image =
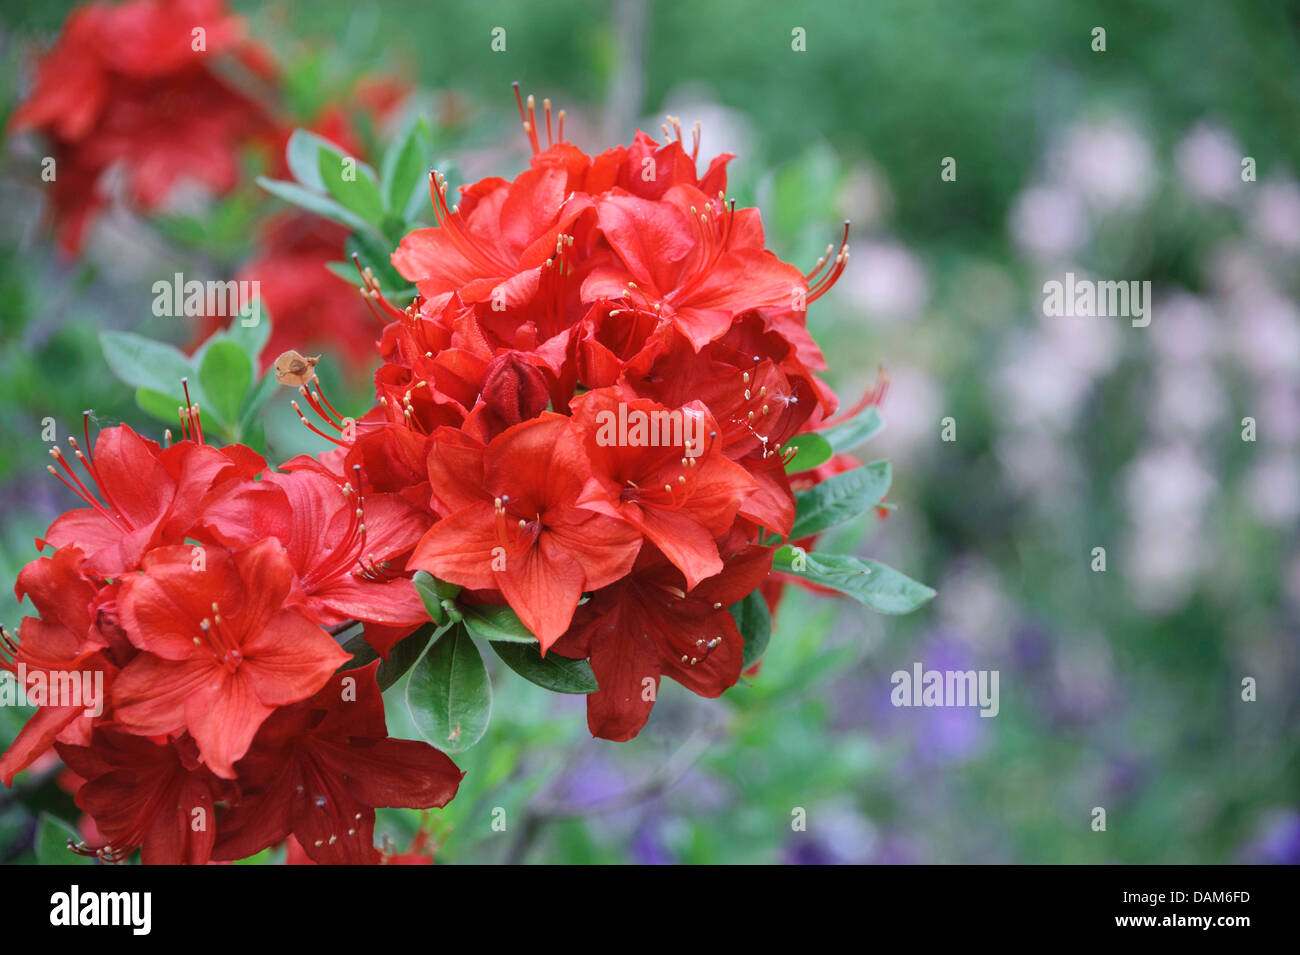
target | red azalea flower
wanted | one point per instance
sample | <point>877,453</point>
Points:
<point>341,544</point>
<point>646,626</point>
<point>150,495</point>
<point>147,793</point>
<point>62,642</point>
<point>221,649</point>
<point>691,259</point>
<point>680,495</point>
<point>517,527</point>
<point>320,768</point>
<point>496,242</point>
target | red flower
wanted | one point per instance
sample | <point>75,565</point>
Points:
<point>340,544</point>
<point>516,526</point>
<point>691,259</point>
<point>150,794</point>
<point>63,641</point>
<point>646,626</point>
<point>320,768</point>
<point>222,650</point>
<point>680,495</point>
<point>124,84</point>
<point>494,245</point>
<point>151,495</point>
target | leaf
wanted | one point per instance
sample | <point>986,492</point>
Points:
<point>814,450</point>
<point>839,498</point>
<point>145,363</point>
<point>551,672</point>
<point>303,155</point>
<point>403,656</point>
<point>448,694</point>
<point>754,622</point>
<point>225,376</point>
<point>849,434</point>
<point>377,256</point>
<point>347,271</point>
<point>163,407</point>
<point>431,591</point>
<point>251,338</point>
<point>256,398</point>
<point>313,202</point>
<point>405,166</point>
<point>52,835</point>
<point>881,588</point>
<point>360,193</point>
<point>497,624</point>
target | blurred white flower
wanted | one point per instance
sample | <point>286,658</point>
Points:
<point>865,199</point>
<point>1036,462</point>
<point>1108,162</point>
<point>1209,163</point>
<point>1278,415</point>
<point>1273,490</point>
<point>912,409</point>
<point>1188,399</point>
<point>1266,333</point>
<point>886,281</point>
<point>1160,562</point>
<point>973,605</point>
<point>1168,484</point>
<point>1276,218</point>
<point>1048,223</point>
<point>1187,330</point>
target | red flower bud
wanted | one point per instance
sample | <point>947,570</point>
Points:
<point>514,388</point>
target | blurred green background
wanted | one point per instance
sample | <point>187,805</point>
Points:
<point>1119,689</point>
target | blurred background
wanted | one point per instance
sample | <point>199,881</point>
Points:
<point>1119,689</point>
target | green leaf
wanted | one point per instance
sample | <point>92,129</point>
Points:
<point>448,694</point>
<point>839,498</point>
<point>155,403</point>
<point>377,256</point>
<point>814,450</point>
<point>849,434</point>
<point>251,338</point>
<point>881,588</point>
<point>403,656</point>
<point>405,166</point>
<point>360,194</point>
<point>52,835</point>
<point>433,592</point>
<point>313,202</point>
<point>145,363</point>
<point>303,156</point>
<point>497,624</point>
<point>256,398</point>
<point>754,622</point>
<point>551,672</point>
<point>225,376</point>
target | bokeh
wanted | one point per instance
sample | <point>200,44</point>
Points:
<point>1174,446</point>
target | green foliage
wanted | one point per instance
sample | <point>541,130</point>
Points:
<point>448,693</point>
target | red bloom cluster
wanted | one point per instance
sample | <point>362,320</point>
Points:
<point>194,590</point>
<point>594,394</point>
<point>141,86</point>
<point>586,415</point>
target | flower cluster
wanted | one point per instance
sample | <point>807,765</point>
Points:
<point>585,420</point>
<point>594,394</point>
<point>174,93</point>
<point>195,589</point>
<point>143,86</point>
